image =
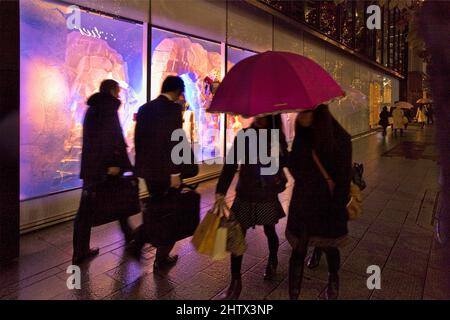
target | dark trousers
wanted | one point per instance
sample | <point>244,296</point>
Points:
<point>83,224</point>
<point>140,238</point>
<point>273,242</point>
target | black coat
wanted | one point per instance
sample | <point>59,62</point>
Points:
<point>312,209</point>
<point>103,143</point>
<point>250,187</point>
<point>384,118</point>
<point>155,122</point>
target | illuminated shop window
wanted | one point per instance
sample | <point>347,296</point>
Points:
<point>59,69</point>
<point>199,63</point>
<point>235,123</point>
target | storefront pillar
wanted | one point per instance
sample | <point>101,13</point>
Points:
<point>9,130</point>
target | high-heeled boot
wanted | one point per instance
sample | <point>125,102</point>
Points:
<point>295,278</point>
<point>314,259</point>
<point>233,291</point>
<point>332,290</point>
<point>271,269</point>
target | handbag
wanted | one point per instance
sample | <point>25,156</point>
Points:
<point>114,198</point>
<point>171,217</point>
<point>354,204</point>
<point>276,182</point>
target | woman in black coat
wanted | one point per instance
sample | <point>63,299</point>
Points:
<point>317,212</point>
<point>384,120</point>
<point>256,201</point>
<point>104,153</point>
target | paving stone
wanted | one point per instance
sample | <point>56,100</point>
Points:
<point>437,284</point>
<point>397,285</point>
<point>42,290</point>
<point>408,261</point>
<point>376,243</point>
<point>386,227</point>
<point>353,286</point>
<point>148,287</point>
<point>200,287</point>
<point>360,259</point>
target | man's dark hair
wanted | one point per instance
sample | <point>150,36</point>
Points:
<point>107,85</point>
<point>172,83</point>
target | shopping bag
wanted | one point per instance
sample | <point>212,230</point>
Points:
<point>235,237</point>
<point>220,244</point>
<point>354,206</point>
<point>205,234</point>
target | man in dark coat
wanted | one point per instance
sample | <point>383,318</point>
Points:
<point>155,123</point>
<point>104,153</point>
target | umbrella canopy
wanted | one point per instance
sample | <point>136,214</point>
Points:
<point>424,101</point>
<point>274,82</point>
<point>404,105</point>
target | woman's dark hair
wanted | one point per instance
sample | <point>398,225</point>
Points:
<point>325,126</point>
<point>172,83</point>
<point>384,108</point>
<point>107,85</point>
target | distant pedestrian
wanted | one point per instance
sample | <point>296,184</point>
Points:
<point>430,114</point>
<point>421,116</point>
<point>384,119</point>
<point>398,124</point>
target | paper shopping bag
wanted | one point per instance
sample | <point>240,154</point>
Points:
<point>220,244</point>
<point>205,234</point>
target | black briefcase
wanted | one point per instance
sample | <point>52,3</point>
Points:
<point>171,217</point>
<point>114,198</point>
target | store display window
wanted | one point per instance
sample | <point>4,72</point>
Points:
<point>61,65</point>
<point>199,63</point>
<point>236,122</point>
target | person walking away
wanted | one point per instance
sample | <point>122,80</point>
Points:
<point>429,114</point>
<point>384,120</point>
<point>256,201</point>
<point>420,116</point>
<point>397,115</point>
<point>321,164</point>
<point>155,122</point>
<point>104,152</point>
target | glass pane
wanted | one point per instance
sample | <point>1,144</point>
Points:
<point>198,62</point>
<point>312,13</point>
<point>235,123</point>
<point>360,27</point>
<point>347,24</point>
<point>328,18</point>
<point>60,68</point>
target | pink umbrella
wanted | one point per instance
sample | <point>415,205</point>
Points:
<point>274,82</point>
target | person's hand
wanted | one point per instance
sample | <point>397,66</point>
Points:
<point>175,181</point>
<point>220,197</point>
<point>113,171</point>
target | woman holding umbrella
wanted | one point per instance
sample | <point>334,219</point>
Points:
<point>275,82</point>
<point>321,164</point>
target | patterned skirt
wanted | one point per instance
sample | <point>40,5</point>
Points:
<point>250,214</point>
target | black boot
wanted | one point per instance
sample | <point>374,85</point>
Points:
<point>233,291</point>
<point>271,269</point>
<point>295,278</point>
<point>80,258</point>
<point>332,290</point>
<point>314,259</point>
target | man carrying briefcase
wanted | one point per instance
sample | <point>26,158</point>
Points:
<point>155,123</point>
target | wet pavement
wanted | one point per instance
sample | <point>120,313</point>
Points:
<point>395,233</point>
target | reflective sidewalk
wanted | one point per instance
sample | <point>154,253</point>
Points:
<point>395,233</point>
